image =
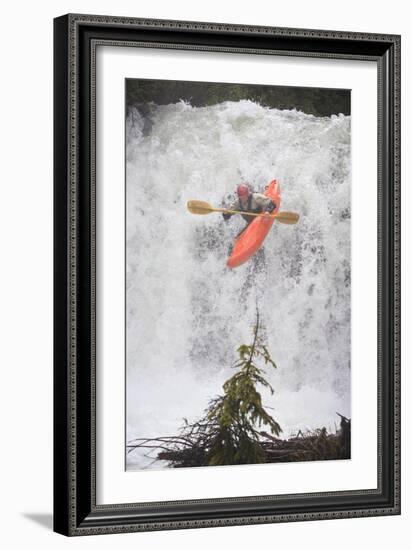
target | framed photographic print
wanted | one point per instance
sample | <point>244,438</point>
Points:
<point>227,277</point>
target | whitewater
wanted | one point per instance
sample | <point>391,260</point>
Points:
<point>186,312</point>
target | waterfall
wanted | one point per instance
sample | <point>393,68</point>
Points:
<point>187,312</point>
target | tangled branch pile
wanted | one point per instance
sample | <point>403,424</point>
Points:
<point>192,448</point>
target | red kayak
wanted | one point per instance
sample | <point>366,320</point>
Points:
<point>250,240</point>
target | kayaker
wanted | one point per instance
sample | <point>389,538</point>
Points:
<point>248,201</point>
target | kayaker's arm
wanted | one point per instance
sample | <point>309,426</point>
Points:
<point>263,203</point>
<point>233,206</point>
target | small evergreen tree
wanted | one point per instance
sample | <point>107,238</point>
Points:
<point>229,432</point>
<point>234,418</point>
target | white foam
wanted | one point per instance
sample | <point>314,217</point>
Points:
<point>186,312</point>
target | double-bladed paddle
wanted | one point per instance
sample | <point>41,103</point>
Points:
<point>203,207</point>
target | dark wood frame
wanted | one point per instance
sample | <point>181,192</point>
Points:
<point>75,40</point>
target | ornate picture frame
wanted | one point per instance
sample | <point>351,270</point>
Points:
<point>76,40</point>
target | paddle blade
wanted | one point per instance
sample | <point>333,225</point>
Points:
<point>287,217</point>
<point>199,207</point>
